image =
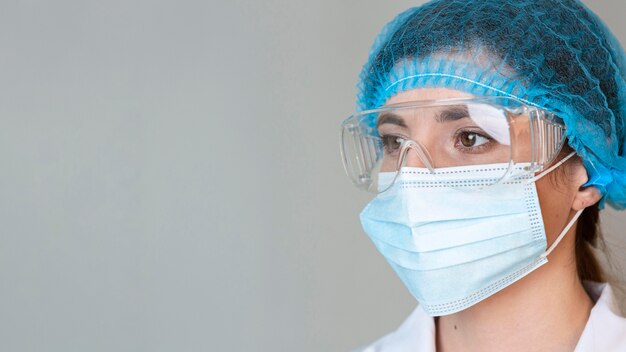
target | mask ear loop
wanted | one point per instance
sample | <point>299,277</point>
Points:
<point>574,218</point>
<point>563,233</point>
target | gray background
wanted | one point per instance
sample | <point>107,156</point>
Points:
<point>171,177</point>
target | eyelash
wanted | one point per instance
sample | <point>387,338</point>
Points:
<point>387,139</point>
<point>474,150</point>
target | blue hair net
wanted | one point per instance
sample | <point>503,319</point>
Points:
<point>553,54</point>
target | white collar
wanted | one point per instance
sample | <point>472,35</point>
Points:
<point>605,330</point>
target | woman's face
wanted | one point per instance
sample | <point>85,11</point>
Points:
<point>556,191</point>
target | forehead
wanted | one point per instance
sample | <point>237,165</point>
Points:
<point>427,94</point>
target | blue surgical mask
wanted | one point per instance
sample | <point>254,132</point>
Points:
<point>455,246</point>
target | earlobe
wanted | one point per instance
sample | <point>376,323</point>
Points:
<point>586,197</point>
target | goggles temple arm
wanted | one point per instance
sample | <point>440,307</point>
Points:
<point>551,168</point>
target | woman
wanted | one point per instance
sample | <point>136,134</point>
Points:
<point>492,132</point>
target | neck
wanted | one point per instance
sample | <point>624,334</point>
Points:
<point>545,311</point>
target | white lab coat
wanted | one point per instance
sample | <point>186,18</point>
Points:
<point>605,330</point>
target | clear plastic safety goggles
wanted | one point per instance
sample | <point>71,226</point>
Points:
<point>440,135</point>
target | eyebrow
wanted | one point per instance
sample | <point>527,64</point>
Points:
<point>453,113</point>
<point>390,118</point>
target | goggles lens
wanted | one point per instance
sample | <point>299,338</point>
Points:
<point>438,137</point>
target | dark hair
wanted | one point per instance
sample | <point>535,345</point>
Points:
<point>588,236</point>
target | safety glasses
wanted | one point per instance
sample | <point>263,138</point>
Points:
<point>445,136</point>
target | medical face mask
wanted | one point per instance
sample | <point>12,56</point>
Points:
<point>455,246</point>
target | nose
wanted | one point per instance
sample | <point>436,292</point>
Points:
<point>417,156</point>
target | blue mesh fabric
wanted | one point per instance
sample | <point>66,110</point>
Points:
<point>553,54</point>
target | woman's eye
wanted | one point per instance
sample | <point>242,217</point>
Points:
<point>472,139</point>
<point>392,144</point>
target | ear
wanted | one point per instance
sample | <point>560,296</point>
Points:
<point>586,197</point>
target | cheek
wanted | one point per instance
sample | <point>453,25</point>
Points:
<point>556,202</point>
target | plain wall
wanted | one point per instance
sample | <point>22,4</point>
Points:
<point>171,177</point>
